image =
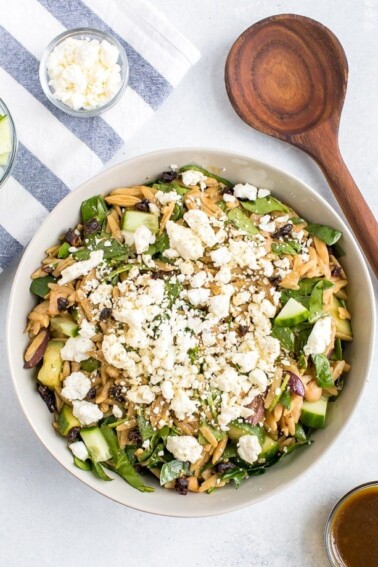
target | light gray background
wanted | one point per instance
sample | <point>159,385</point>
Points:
<point>47,517</point>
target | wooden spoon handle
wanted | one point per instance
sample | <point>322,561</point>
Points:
<point>325,151</point>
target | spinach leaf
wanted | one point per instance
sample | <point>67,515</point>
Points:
<point>83,465</point>
<point>264,205</point>
<point>286,337</point>
<point>230,451</point>
<point>63,251</point>
<point>300,432</point>
<point>121,463</point>
<point>162,242</point>
<point>316,300</point>
<point>323,371</point>
<point>145,428</point>
<point>112,249</point>
<point>338,250</point>
<point>172,470</point>
<point>94,208</point>
<point>206,173</point>
<point>290,247</point>
<point>241,221</point>
<point>285,399</point>
<point>39,286</point>
<point>301,338</point>
<point>238,474</point>
<point>338,350</point>
<point>99,471</point>
<point>325,233</point>
<point>169,187</point>
<point>297,220</point>
<point>90,364</point>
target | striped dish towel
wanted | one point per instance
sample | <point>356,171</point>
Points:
<point>57,152</point>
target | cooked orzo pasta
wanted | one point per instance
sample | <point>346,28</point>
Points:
<point>190,327</point>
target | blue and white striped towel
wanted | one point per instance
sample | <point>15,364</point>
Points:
<point>57,152</point>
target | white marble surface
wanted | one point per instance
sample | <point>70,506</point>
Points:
<point>47,517</point>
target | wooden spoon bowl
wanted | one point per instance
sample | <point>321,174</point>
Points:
<point>286,76</point>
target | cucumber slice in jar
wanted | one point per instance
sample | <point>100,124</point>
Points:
<point>291,314</point>
<point>314,413</point>
<point>134,219</point>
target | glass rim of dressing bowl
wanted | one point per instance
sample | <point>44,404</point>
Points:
<point>7,170</point>
<point>333,559</point>
<point>84,33</point>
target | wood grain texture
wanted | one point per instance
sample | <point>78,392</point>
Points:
<point>286,76</point>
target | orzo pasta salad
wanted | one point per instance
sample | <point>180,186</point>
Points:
<point>191,328</point>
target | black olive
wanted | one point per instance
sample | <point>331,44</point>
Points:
<point>72,238</point>
<point>224,467</point>
<point>105,313</point>
<point>143,206</point>
<point>115,392</point>
<point>283,231</point>
<point>48,397</point>
<point>73,434</point>
<point>168,176</point>
<point>135,437</point>
<point>62,303</point>
<point>91,226</point>
<point>181,485</point>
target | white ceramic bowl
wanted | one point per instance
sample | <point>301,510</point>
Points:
<point>237,168</point>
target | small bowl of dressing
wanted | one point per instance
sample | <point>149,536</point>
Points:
<point>351,535</point>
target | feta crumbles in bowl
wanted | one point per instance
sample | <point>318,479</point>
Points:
<point>84,71</point>
<point>191,328</point>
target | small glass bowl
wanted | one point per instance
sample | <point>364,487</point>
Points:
<point>333,559</point>
<point>5,170</point>
<point>84,33</point>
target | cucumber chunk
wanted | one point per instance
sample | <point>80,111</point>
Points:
<point>343,326</point>
<point>52,365</point>
<point>96,444</point>
<point>314,413</point>
<point>5,135</point>
<point>238,429</point>
<point>268,449</point>
<point>291,314</point>
<point>134,219</point>
<point>67,420</point>
<point>64,326</point>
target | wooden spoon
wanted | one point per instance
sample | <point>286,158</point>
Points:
<point>286,76</point>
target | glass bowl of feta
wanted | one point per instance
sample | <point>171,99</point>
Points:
<point>8,142</point>
<point>162,273</point>
<point>84,71</point>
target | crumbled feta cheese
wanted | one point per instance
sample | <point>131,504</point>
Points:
<point>141,395</point>
<point>219,305</point>
<point>170,253</point>
<point>167,390</point>
<point>102,295</point>
<point>184,448</point>
<point>245,360</point>
<point>259,379</point>
<point>154,209</point>
<point>117,412</point>
<point>115,353</point>
<point>83,268</point>
<point>183,405</point>
<point>143,237</point>
<point>241,298</point>
<point>86,412</point>
<point>186,268</point>
<point>79,450</point>
<point>263,193</point>
<point>87,329</point>
<point>84,73</point>
<point>165,198</point>
<point>227,381</point>
<point>192,177</point>
<point>267,227</point>
<point>199,279</point>
<point>76,386</point>
<point>249,448</point>
<point>199,222</point>
<point>198,296</point>
<point>320,337</point>
<point>227,198</point>
<point>224,275</point>
<point>183,239</point>
<point>76,349</point>
<point>220,256</point>
<point>245,191</point>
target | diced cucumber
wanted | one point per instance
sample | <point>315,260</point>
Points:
<point>291,314</point>
<point>52,365</point>
<point>96,444</point>
<point>67,420</point>
<point>268,449</point>
<point>241,221</point>
<point>134,219</point>
<point>63,251</point>
<point>64,326</point>
<point>5,135</point>
<point>4,158</point>
<point>238,429</point>
<point>314,413</point>
<point>343,326</point>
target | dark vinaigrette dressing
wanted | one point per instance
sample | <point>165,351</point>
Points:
<point>354,529</point>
